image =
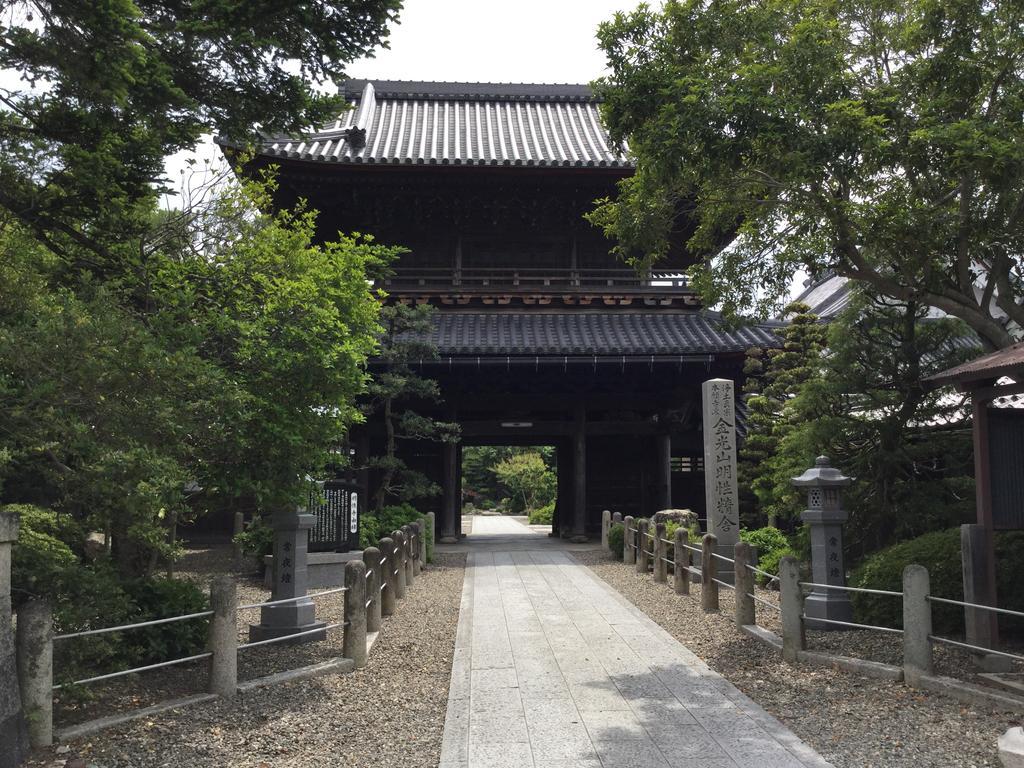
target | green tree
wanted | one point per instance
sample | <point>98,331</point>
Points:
<point>108,90</point>
<point>798,361</point>
<point>236,370</point>
<point>527,477</point>
<point>864,406</point>
<point>880,140</point>
<point>403,398</point>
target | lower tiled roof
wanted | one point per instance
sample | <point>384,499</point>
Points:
<point>585,333</point>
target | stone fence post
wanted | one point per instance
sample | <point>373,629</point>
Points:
<point>794,638</point>
<point>223,679</point>
<point>643,560</point>
<point>708,573</point>
<point>35,669</point>
<point>917,625</point>
<point>606,523</point>
<point>410,568</point>
<point>371,559</point>
<point>353,645</point>
<point>681,558</point>
<point>745,613</point>
<point>428,538</point>
<point>13,733</point>
<point>387,575</point>
<point>660,553</point>
<point>628,552</point>
<point>396,564</point>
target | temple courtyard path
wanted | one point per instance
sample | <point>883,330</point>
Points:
<point>555,669</point>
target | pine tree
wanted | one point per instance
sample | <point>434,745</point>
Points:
<point>396,392</point>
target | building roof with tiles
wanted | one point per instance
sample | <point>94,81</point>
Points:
<point>464,124</point>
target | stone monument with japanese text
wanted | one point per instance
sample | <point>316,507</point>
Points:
<point>290,580</point>
<point>722,498</point>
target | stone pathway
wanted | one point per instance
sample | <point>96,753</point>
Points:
<point>554,669</point>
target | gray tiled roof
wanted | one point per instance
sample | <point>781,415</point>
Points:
<point>586,333</point>
<point>481,124</point>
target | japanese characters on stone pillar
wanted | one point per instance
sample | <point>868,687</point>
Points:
<point>723,506</point>
<point>825,516</point>
<point>291,579</point>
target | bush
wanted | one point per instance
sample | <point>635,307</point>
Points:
<point>617,539</point>
<point>64,528</point>
<point>770,564</point>
<point>374,527</point>
<point>671,526</point>
<point>41,564</point>
<point>543,515</point>
<point>939,552</point>
<point>257,540</point>
<point>161,598</point>
<point>766,539</point>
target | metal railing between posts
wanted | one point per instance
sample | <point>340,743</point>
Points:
<point>650,554</point>
<point>371,587</point>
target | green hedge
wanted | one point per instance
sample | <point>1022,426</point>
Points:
<point>543,515</point>
<point>617,539</point>
<point>939,552</point>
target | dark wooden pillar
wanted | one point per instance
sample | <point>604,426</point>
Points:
<point>450,517</point>
<point>561,524</point>
<point>979,556</point>
<point>579,470</point>
<point>662,472</point>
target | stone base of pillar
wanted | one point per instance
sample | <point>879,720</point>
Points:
<point>833,604</point>
<point>449,540</point>
<point>258,632</point>
<point>288,619</point>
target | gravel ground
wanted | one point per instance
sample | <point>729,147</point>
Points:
<point>389,714</point>
<point>854,722</point>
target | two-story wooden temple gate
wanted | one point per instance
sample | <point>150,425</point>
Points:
<point>543,336</point>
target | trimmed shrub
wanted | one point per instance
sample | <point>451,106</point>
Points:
<point>617,539</point>
<point>161,598</point>
<point>543,515</point>
<point>766,539</point>
<point>770,564</point>
<point>374,527</point>
<point>257,540</point>
<point>939,552</point>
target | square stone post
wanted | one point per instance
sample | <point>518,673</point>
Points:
<point>660,553</point>
<point>13,732</point>
<point>628,540</point>
<point>353,644</point>
<point>643,560</point>
<point>917,625</point>
<point>291,580</point>
<point>35,669</point>
<point>223,678</point>
<point>681,573</point>
<point>745,613</point>
<point>387,576</point>
<point>792,605</point>
<point>407,561</point>
<point>371,559</point>
<point>722,497</point>
<point>708,574</point>
<point>606,524</point>
<point>396,564</point>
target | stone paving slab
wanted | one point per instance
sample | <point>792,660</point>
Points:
<point>555,669</point>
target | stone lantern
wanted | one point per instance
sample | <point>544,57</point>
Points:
<point>825,516</point>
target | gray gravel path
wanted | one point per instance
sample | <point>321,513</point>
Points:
<point>389,714</point>
<point>853,722</point>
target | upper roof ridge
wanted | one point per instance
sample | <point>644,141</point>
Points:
<point>469,91</point>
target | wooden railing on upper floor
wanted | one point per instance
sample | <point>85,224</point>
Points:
<point>529,279</point>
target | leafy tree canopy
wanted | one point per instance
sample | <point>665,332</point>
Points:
<point>109,89</point>
<point>881,139</point>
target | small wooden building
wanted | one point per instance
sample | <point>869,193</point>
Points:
<point>544,337</point>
